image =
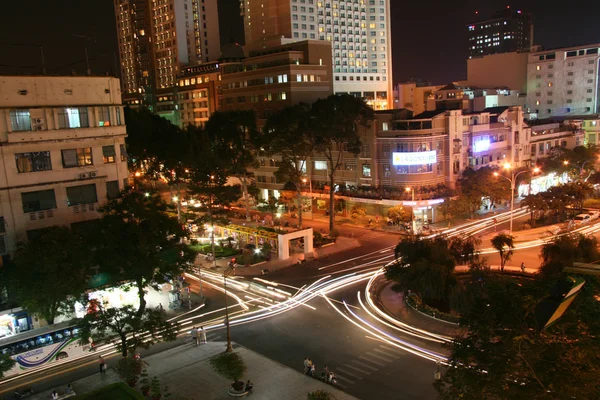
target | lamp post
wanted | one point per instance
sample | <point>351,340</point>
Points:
<point>226,273</point>
<point>513,181</point>
<point>304,180</point>
<point>414,223</point>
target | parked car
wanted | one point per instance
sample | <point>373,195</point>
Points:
<point>594,214</point>
<point>582,219</point>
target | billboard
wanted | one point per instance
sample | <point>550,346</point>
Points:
<point>414,158</point>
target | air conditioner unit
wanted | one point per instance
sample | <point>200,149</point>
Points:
<point>83,175</point>
<point>38,121</point>
<point>39,127</point>
<point>93,174</point>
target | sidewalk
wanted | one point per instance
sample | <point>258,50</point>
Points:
<point>393,303</point>
<point>186,371</point>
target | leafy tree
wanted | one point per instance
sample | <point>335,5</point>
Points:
<point>424,266</point>
<point>270,206</point>
<point>234,138</point>
<point>230,365</point>
<point>335,122</point>
<point>357,212</point>
<point>319,395</point>
<point>503,354</point>
<point>286,199</point>
<point>139,240</point>
<point>50,272</point>
<point>289,135</point>
<point>464,249</point>
<point>504,244</point>
<point>476,185</point>
<point>535,203</point>
<point>6,363</point>
<point>132,329</point>
<point>565,250</point>
<point>399,214</point>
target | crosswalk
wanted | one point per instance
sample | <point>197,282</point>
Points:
<point>366,364</point>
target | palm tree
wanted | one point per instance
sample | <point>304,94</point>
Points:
<point>504,244</point>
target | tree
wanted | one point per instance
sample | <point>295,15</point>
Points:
<point>132,330</point>
<point>230,365</point>
<point>563,251</point>
<point>336,120</point>
<point>270,206</point>
<point>357,212</point>
<point>138,240</point>
<point>289,135</point>
<point>6,364</point>
<point>503,354</point>
<point>504,244</point>
<point>286,198</point>
<point>425,266</point>
<point>535,203</point>
<point>233,137</point>
<point>50,272</point>
<point>477,185</point>
<point>399,214</point>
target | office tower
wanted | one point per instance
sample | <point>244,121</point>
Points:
<point>359,33</point>
<point>157,37</point>
<point>507,31</point>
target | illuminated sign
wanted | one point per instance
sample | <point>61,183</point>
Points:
<point>481,145</point>
<point>414,158</point>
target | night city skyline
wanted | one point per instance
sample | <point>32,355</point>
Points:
<point>427,45</point>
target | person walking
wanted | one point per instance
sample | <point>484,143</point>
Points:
<point>102,364</point>
<point>202,334</point>
<point>249,386</point>
<point>306,365</point>
<point>55,395</point>
<point>195,335</point>
<point>523,267</point>
<point>312,370</point>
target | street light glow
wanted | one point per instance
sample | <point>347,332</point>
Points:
<point>536,170</point>
<point>303,180</point>
<point>496,174</point>
<point>408,189</point>
<point>565,162</point>
<point>257,251</point>
<point>147,194</point>
<point>278,215</point>
<point>507,166</point>
<point>175,198</point>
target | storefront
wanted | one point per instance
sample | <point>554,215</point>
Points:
<point>14,322</point>
<point>109,298</point>
<point>542,183</point>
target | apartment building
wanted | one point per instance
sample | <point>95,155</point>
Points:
<point>506,31</point>
<point>473,99</point>
<point>543,137</point>
<point>563,82</point>
<point>359,33</point>
<point>198,93</point>
<point>414,95</point>
<point>157,37</point>
<point>62,151</point>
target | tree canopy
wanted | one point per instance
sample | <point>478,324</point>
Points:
<point>477,185</point>
<point>50,272</point>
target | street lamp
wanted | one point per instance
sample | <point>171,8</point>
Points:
<point>226,273</point>
<point>414,223</point>
<point>512,181</point>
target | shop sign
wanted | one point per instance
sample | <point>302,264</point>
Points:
<point>414,158</point>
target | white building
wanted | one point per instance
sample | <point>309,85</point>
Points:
<point>62,152</point>
<point>359,33</point>
<point>563,82</point>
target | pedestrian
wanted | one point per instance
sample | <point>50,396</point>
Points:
<point>306,365</point>
<point>54,395</point>
<point>249,386</point>
<point>202,335</point>
<point>69,389</point>
<point>312,370</point>
<point>101,364</point>
<point>523,267</point>
<point>160,307</point>
<point>195,335</point>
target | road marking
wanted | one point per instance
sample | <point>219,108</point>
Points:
<point>346,372</point>
<point>350,381</point>
<point>371,361</point>
<point>380,357</point>
<point>364,365</point>
<point>350,259</point>
<point>384,251</point>
<point>361,370</point>
<point>387,354</point>
<point>392,350</point>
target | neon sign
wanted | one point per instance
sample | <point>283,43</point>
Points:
<point>414,158</point>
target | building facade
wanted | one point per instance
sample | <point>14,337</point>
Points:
<point>157,37</point>
<point>563,82</point>
<point>62,142</point>
<point>359,33</point>
<point>414,95</point>
<point>504,70</point>
<point>198,93</point>
<point>507,31</point>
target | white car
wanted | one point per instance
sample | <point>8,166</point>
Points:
<point>594,214</point>
<point>582,219</point>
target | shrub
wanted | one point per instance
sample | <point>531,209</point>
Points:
<point>228,365</point>
<point>319,395</point>
<point>358,212</point>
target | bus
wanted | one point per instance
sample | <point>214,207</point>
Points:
<point>43,346</point>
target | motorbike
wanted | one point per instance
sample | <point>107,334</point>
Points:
<point>23,394</point>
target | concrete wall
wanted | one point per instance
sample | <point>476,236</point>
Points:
<point>498,70</point>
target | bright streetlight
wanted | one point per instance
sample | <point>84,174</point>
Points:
<point>304,180</point>
<point>512,181</point>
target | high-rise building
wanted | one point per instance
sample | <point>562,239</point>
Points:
<point>563,82</point>
<point>359,33</point>
<point>157,37</point>
<point>508,30</point>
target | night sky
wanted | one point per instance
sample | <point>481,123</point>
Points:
<point>429,37</point>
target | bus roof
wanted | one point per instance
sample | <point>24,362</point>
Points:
<point>35,333</point>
